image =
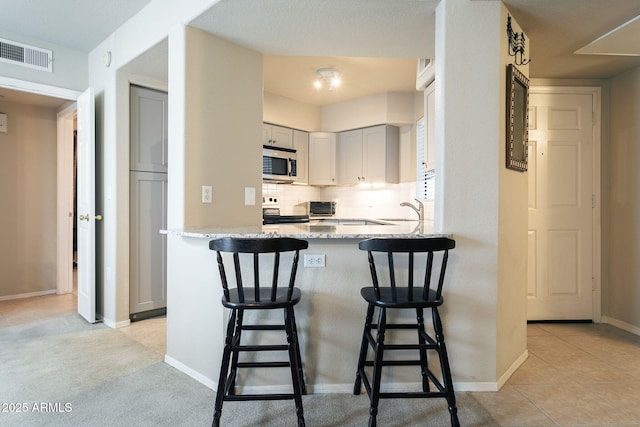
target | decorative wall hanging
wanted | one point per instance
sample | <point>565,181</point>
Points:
<point>517,44</point>
<point>517,119</point>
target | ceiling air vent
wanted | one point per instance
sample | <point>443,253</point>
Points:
<point>25,55</point>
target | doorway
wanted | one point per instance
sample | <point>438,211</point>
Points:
<point>564,204</point>
<point>63,100</point>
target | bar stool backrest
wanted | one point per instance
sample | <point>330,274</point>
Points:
<point>410,246</point>
<point>257,247</point>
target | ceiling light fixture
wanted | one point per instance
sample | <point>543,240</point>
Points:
<point>329,75</point>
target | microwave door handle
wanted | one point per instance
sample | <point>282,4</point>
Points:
<point>290,163</point>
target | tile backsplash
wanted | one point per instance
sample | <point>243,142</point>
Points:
<point>351,202</point>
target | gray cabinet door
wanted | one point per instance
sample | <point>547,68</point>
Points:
<point>148,248</point>
<point>148,129</point>
<point>148,200</point>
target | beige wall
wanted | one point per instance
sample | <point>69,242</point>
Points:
<point>28,194</point>
<point>222,130</point>
<point>621,204</point>
<point>289,113</point>
<point>215,125</point>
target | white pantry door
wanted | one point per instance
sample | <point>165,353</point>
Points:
<point>561,212</point>
<point>86,226</point>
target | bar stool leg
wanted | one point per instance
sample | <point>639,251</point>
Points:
<point>235,353</point>
<point>377,367</point>
<point>446,370</point>
<point>298,355</point>
<point>424,364</point>
<point>293,362</point>
<point>364,346</point>
<point>224,368</point>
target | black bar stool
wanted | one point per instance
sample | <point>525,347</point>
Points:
<point>418,297</point>
<point>257,297</point>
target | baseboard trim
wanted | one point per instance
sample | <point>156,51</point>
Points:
<point>213,385</point>
<point>514,367</point>
<point>336,388</point>
<point>620,324</point>
<point>116,325</point>
<point>27,295</point>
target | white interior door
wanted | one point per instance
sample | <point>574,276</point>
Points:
<point>561,213</point>
<point>86,230</point>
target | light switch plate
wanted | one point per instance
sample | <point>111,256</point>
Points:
<point>3,122</point>
<point>249,196</point>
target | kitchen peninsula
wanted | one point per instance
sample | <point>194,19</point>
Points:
<point>330,315</point>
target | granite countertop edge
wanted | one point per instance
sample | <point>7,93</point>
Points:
<point>406,229</point>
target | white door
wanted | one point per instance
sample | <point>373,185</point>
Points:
<point>86,231</point>
<point>561,214</point>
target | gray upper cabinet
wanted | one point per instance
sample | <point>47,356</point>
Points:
<point>149,130</point>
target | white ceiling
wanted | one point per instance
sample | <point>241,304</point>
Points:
<point>75,24</point>
<point>374,43</point>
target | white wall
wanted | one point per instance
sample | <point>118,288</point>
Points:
<point>384,108</point>
<point>28,190</point>
<point>141,33</point>
<point>69,66</point>
<point>474,193</point>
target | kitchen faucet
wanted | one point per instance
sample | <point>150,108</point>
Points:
<point>419,210</point>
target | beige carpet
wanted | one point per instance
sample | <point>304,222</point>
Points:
<point>65,372</point>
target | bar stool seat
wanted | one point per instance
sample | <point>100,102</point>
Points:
<point>417,297</point>
<point>253,296</point>
<point>281,299</point>
<point>404,298</point>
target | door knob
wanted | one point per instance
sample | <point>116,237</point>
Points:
<point>86,217</point>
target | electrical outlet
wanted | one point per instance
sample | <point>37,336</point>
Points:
<point>207,194</point>
<point>311,260</point>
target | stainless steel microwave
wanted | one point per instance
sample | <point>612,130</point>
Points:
<point>279,164</point>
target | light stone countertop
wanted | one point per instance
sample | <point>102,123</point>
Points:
<point>318,229</point>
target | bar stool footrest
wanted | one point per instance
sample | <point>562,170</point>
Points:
<point>263,364</point>
<point>395,363</point>
<point>412,394</point>
<point>245,397</point>
<point>273,347</point>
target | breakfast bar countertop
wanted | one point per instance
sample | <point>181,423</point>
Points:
<point>319,229</point>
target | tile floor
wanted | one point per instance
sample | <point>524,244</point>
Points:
<point>576,374</point>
